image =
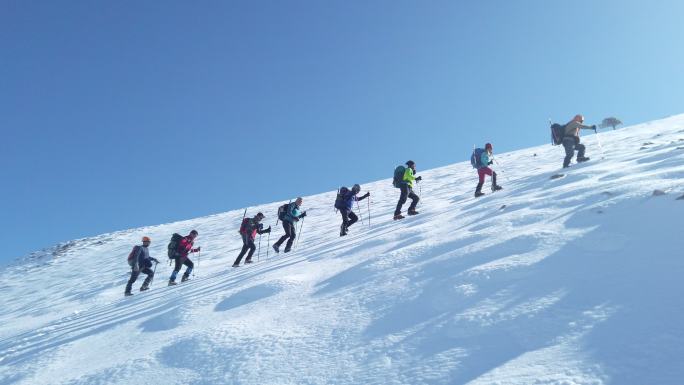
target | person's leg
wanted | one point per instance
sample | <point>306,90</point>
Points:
<point>242,253</point>
<point>190,266</point>
<point>178,264</point>
<point>134,277</point>
<point>252,248</point>
<point>580,150</point>
<point>245,247</point>
<point>353,218</point>
<point>414,201</point>
<point>284,237</point>
<point>480,183</point>
<point>402,199</point>
<point>148,279</point>
<point>569,145</point>
<point>290,240</point>
<point>345,221</point>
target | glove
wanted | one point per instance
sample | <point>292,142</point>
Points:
<point>594,128</point>
<point>268,230</point>
<point>490,162</point>
<point>155,260</point>
<point>195,250</point>
<point>419,179</point>
<point>367,195</point>
<point>302,215</point>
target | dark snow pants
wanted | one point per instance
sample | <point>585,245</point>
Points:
<point>348,217</point>
<point>134,277</point>
<point>247,244</point>
<point>180,261</point>
<point>406,192</point>
<point>290,235</point>
<point>571,143</point>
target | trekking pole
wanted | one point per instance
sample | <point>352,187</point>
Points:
<point>359,210</point>
<point>369,214</point>
<point>300,233</point>
<point>268,244</point>
<point>259,252</point>
<point>199,258</point>
<point>153,272</point>
<point>598,140</point>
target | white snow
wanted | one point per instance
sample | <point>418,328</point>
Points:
<point>575,280</point>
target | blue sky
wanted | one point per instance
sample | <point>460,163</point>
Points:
<point>123,114</point>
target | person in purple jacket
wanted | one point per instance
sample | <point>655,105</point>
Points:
<point>344,202</point>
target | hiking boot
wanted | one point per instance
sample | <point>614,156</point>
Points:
<point>398,217</point>
<point>412,212</point>
<point>128,294</point>
<point>496,187</point>
<point>276,248</point>
<point>144,287</point>
<point>185,278</point>
<point>236,265</point>
<point>343,230</point>
<point>287,250</point>
<point>171,282</point>
<point>478,194</point>
<point>582,159</point>
<point>248,261</point>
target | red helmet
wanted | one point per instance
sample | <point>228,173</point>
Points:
<point>488,146</point>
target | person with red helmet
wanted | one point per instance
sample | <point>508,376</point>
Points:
<point>483,158</point>
<point>571,140</point>
<point>140,261</point>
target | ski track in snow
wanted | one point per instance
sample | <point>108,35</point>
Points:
<point>566,281</point>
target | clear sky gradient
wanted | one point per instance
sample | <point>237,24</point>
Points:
<point>119,114</point>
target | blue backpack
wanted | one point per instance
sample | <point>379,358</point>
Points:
<point>475,157</point>
<point>398,178</point>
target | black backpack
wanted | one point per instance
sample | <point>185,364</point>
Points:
<point>282,211</point>
<point>557,134</point>
<point>398,176</point>
<point>172,248</point>
<point>341,193</point>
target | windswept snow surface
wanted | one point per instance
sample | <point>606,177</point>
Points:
<point>574,280</point>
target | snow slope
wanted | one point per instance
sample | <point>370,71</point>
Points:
<point>567,281</point>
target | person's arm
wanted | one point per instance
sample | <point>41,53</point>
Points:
<point>362,197</point>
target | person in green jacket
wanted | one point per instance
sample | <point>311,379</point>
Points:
<point>406,187</point>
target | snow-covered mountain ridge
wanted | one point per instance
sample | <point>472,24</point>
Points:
<point>574,280</point>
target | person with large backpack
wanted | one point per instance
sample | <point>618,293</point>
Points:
<point>289,214</point>
<point>344,202</point>
<point>571,140</point>
<point>403,180</point>
<point>481,159</point>
<point>248,230</point>
<point>140,261</point>
<point>180,256</point>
